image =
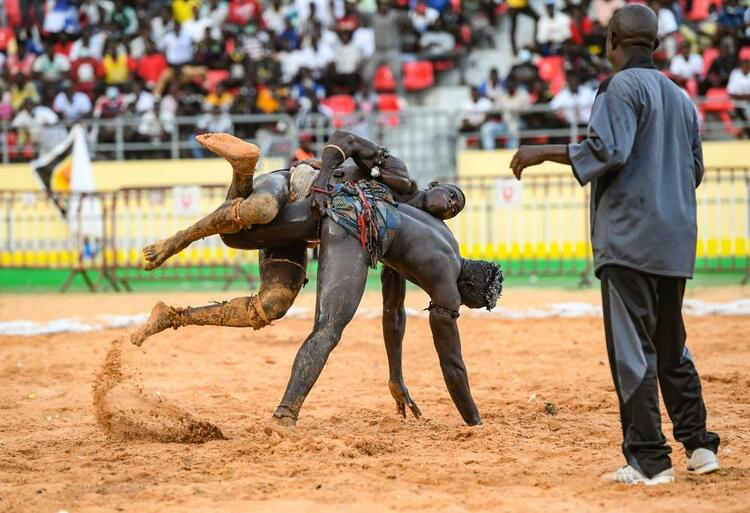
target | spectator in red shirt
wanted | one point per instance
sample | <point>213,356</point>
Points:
<point>151,65</point>
<point>581,26</point>
<point>64,44</point>
<point>85,72</point>
<point>243,12</point>
<point>21,62</point>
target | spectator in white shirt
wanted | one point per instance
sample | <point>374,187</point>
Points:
<point>686,65</point>
<point>142,99</point>
<point>274,17</point>
<point>364,38</point>
<point>51,67</point>
<point>161,24</point>
<point>197,25</point>
<point>313,55</point>
<point>320,12</point>
<point>474,111</point>
<point>492,88</point>
<point>216,11</point>
<point>41,124</point>
<point>738,88</point>
<point>177,46</point>
<point>71,105</point>
<point>347,65</point>
<point>422,16</point>
<point>506,123</point>
<point>573,103</point>
<point>553,30</point>
<point>86,41</point>
<point>668,27</point>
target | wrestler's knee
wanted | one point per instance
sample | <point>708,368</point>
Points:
<point>277,300</point>
<point>259,208</point>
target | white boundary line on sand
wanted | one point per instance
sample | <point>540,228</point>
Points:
<point>692,307</point>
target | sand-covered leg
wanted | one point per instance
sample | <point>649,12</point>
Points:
<point>225,219</point>
<point>241,312</point>
<point>281,278</point>
<point>261,207</point>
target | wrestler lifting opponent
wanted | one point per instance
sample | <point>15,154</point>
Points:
<point>449,279</point>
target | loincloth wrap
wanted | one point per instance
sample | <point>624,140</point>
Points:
<point>367,211</point>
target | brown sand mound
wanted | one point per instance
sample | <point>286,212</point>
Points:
<point>125,411</point>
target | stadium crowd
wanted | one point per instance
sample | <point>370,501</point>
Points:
<point>152,61</point>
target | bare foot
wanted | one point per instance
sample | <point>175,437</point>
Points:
<point>243,156</point>
<point>158,252</point>
<point>282,426</point>
<point>159,320</point>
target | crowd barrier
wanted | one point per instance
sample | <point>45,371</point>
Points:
<point>537,227</point>
<point>101,237</point>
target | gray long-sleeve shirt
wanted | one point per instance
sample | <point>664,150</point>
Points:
<point>644,159</point>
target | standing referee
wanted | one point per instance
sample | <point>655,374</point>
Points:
<point>644,160</point>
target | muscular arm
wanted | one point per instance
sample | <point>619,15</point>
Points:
<point>394,325</point>
<point>448,345</point>
<point>364,153</point>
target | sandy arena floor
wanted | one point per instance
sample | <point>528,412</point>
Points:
<point>354,454</point>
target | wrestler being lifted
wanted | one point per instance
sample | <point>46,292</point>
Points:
<point>252,201</point>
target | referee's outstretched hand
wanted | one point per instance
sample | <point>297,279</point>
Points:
<point>526,156</point>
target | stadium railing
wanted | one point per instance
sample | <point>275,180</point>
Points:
<point>538,227</point>
<point>100,236</point>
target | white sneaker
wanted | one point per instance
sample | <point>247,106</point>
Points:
<point>631,475</point>
<point>702,461</point>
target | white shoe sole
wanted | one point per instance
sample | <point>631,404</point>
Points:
<point>705,469</point>
<point>658,481</point>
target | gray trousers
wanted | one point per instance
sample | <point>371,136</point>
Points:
<point>646,346</point>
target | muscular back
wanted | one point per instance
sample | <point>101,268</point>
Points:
<point>424,250</point>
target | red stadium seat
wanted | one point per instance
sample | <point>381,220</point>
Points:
<point>709,56</point>
<point>699,11</point>
<point>214,77</point>
<point>384,81</point>
<point>719,102</point>
<point>389,106</point>
<point>418,75</point>
<point>341,105</point>
<point>745,53</point>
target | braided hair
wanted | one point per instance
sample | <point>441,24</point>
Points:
<point>480,283</point>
